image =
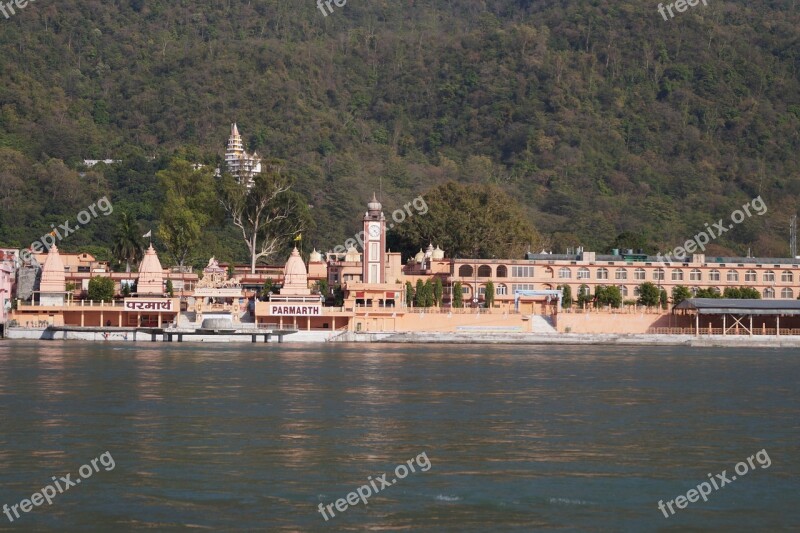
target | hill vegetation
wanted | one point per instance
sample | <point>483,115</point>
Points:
<point>610,126</point>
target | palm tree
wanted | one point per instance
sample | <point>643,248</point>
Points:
<point>127,243</point>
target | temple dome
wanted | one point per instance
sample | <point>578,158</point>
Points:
<point>295,276</point>
<point>151,274</point>
<point>420,257</point>
<point>438,253</point>
<point>374,205</point>
<point>315,257</point>
<point>352,255</point>
<point>53,277</point>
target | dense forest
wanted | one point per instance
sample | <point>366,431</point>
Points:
<point>609,125</point>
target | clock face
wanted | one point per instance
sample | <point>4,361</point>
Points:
<point>374,230</point>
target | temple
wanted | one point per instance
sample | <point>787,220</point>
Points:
<point>243,166</point>
<point>368,289</point>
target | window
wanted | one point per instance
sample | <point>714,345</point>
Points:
<point>713,275</point>
<point>769,276</point>
<point>583,273</point>
<point>465,289</point>
<point>733,275</point>
<point>564,273</point>
<point>658,274</point>
<point>521,271</point>
<point>636,291</point>
<point>623,290</point>
<point>465,271</point>
<point>677,275</point>
<point>621,273</point>
<point>750,275</point>
<point>769,293</point>
<point>501,290</point>
<point>484,271</point>
<point>502,271</point>
<point>482,290</point>
<point>521,287</point>
<point>787,293</point>
<point>639,274</point>
<point>602,273</point>
<point>695,275</point>
<point>787,277</point>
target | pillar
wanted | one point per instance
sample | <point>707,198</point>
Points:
<point>120,319</point>
<point>778,325</point>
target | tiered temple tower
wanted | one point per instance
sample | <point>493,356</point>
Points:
<point>241,165</point>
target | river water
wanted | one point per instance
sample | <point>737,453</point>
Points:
<point>247,437</point>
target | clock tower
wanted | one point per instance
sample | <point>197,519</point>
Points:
<point>374,263</point>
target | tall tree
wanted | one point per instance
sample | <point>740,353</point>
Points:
<point>189,200</point>
<point>266,211</point>
<point>489,296</point>
<point>469,221</point>
<point>127,245</point>
<point>458,295</point>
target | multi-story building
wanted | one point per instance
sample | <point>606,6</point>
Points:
<point>8,260</point>
<point>241,165</point>
<point>773,278</point>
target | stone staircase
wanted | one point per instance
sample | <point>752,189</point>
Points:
<point>542,324</point>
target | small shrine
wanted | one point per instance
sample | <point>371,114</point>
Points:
<point>218,296</point>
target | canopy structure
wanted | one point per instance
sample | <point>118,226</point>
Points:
<point>739,311</point>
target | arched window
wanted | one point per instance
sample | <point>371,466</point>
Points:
<point>677,275</point>
<point>465,271</point>
<point>602,273</point>
<point>769,292</point>
<point>695,275</point>
<point>713,275</point>
<point>787,277</point>
<point>501,290</point>
<point>502,271</point>
<point>787,293</point>
<point>583,273</point>
<point>658,274</point>
<point>769,276</point>
<point>564,273</point>
<point>484,271</point>
<point>733,275</point>
<point>621,273</point>
<point>639,274</point>
<point>623,290</point>
<point>750,275</point>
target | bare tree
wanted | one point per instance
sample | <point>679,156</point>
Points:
<point>264,209</point>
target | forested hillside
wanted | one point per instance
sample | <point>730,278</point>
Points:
<point>598,116</point>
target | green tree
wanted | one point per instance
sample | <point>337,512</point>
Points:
<point>189,201</point>
<point>338,296</point>
<point>438,291</point>
<point>101,289</point>
<point>409,294</point>
<point>710,292</point>
<point>664,299</point>
<point>430,300</point>
<point>649,295</point>
<point>266,289</point>
<point>489,296</point>
<point>741,293</point>
<point>469,220</point>
<point>458,295</point>
<point>566,298</point>
<point>584,298</point>
<point>614,297</point>
<point>170,289</point>
<point>127,245</point>
<point>322,287</point>
<point>419,294</point>
<point>679,294</point>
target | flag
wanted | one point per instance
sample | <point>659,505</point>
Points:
<point>148,234</point>
<point>299,237</point>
